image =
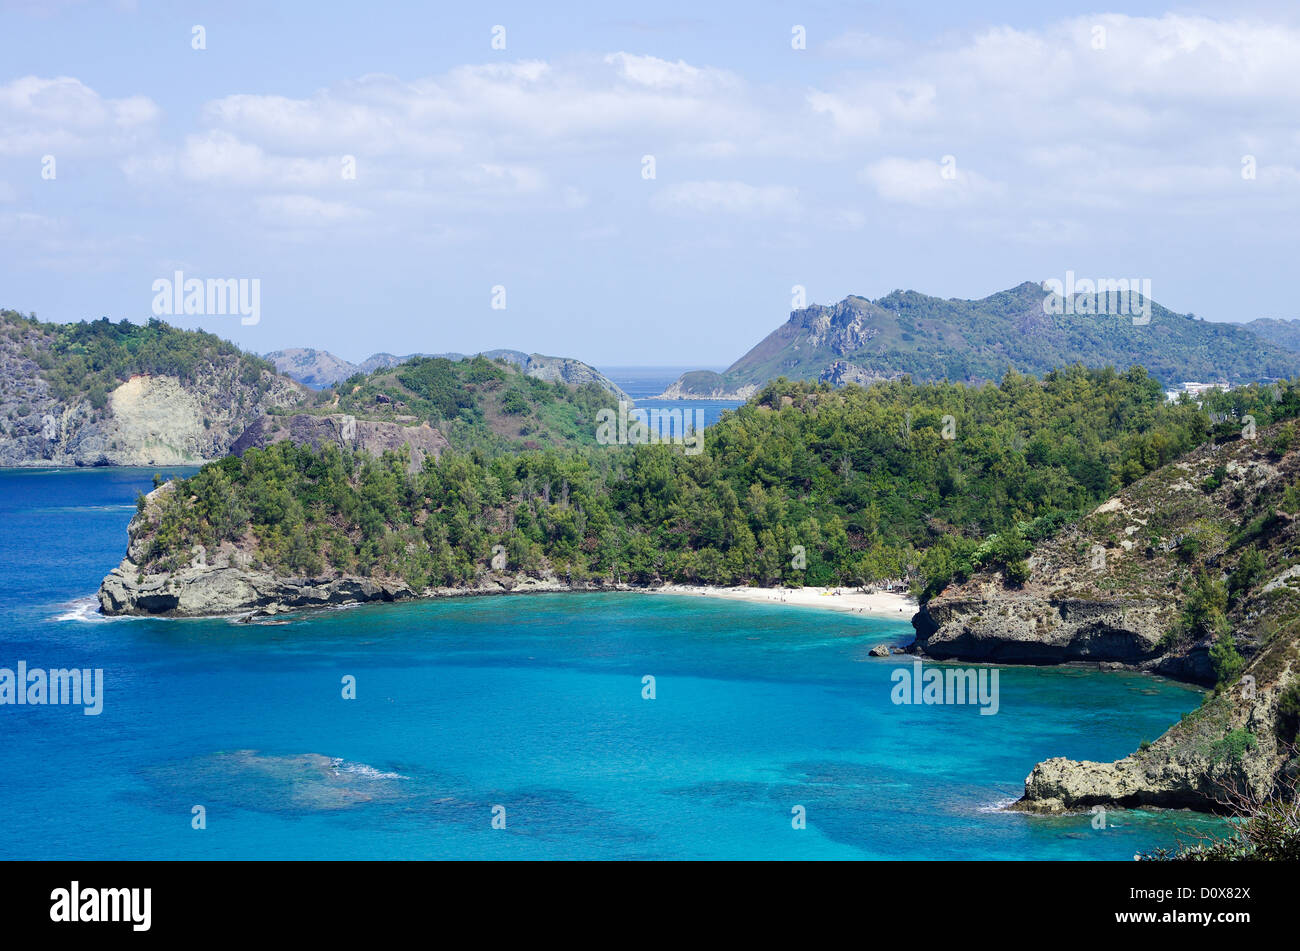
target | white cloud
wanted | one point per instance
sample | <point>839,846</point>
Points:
<point>662,74</point>
<point>500,111</point>
<point>62,114</point>
<point>923,182</point>
<point>219,158</point>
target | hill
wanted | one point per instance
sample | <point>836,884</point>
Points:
<point>892,481</point>
<point>474,402</point>
<point>1279,333</point>
<point>320,368</point>
<point>1192,572</point>
<point>929,338</point>
<point>99,393</point>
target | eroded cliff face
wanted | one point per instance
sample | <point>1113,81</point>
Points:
<point>1114,590</point>
<point>989,622</point>
<point>148,420</point>
<point>346,432</point>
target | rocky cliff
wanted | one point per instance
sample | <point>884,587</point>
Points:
<point>1192,572</point>
<point>344,431</point>
<point>53,414</point>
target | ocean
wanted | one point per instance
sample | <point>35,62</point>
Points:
<point>517,727</point>
<point>645,383</point>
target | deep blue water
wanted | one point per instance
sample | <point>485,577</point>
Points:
<point>530,703</point>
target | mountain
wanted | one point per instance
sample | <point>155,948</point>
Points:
<point>929,338</point>
<point>1280,333</point>
<point>99,393</point>
<point>320,368</point>
<point>1191,572</point>
<point>315,368</point>
<point>471,403</point>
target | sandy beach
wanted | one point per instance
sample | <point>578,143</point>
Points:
<point>852,600</point>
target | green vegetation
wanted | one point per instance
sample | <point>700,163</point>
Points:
<point>862,479</point>
<point>88,360</point>
<point>931,338</point>
<point>477,403</point>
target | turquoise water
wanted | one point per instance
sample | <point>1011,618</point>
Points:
<point>530,703</point>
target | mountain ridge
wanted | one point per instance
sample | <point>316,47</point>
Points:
<point>906,333</point>
<point>321,368</point>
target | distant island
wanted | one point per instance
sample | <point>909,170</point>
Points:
<point>929,339</point>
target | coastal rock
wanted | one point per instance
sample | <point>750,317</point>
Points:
<point>880,650</point>
<point>1114,589</point>
<point>206,591</point>
<point>1225,750</point>
<point>985,621</point>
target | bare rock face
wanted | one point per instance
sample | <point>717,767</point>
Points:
<point>1227,748</point>
<point>1112,590</point>
<point>841,373</point>
<point>991,623</point>
<point>148,420</point>
<point>203,591</point>
<point>346,432</point>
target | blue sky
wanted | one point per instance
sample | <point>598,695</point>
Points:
<point>1116,153</point>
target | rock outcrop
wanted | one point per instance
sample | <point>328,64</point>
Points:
<point>146,420</point>
<point>1229,748</point>
<point>346,432</point>
<point>208,591</point>
<point>1114,590</point>
<point>989,622</point>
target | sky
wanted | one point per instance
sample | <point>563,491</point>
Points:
<point>638,184</point>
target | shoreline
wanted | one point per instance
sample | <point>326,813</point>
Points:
<point>890,604</point>
<point>226,592</point>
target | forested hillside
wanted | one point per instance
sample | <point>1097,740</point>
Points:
<point>869,483</point>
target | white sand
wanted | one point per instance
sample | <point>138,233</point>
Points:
<point>854,600</point>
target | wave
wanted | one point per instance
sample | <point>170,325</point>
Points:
<point>83,609</point>
<point>999,805</point>
<point>340,765</point>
